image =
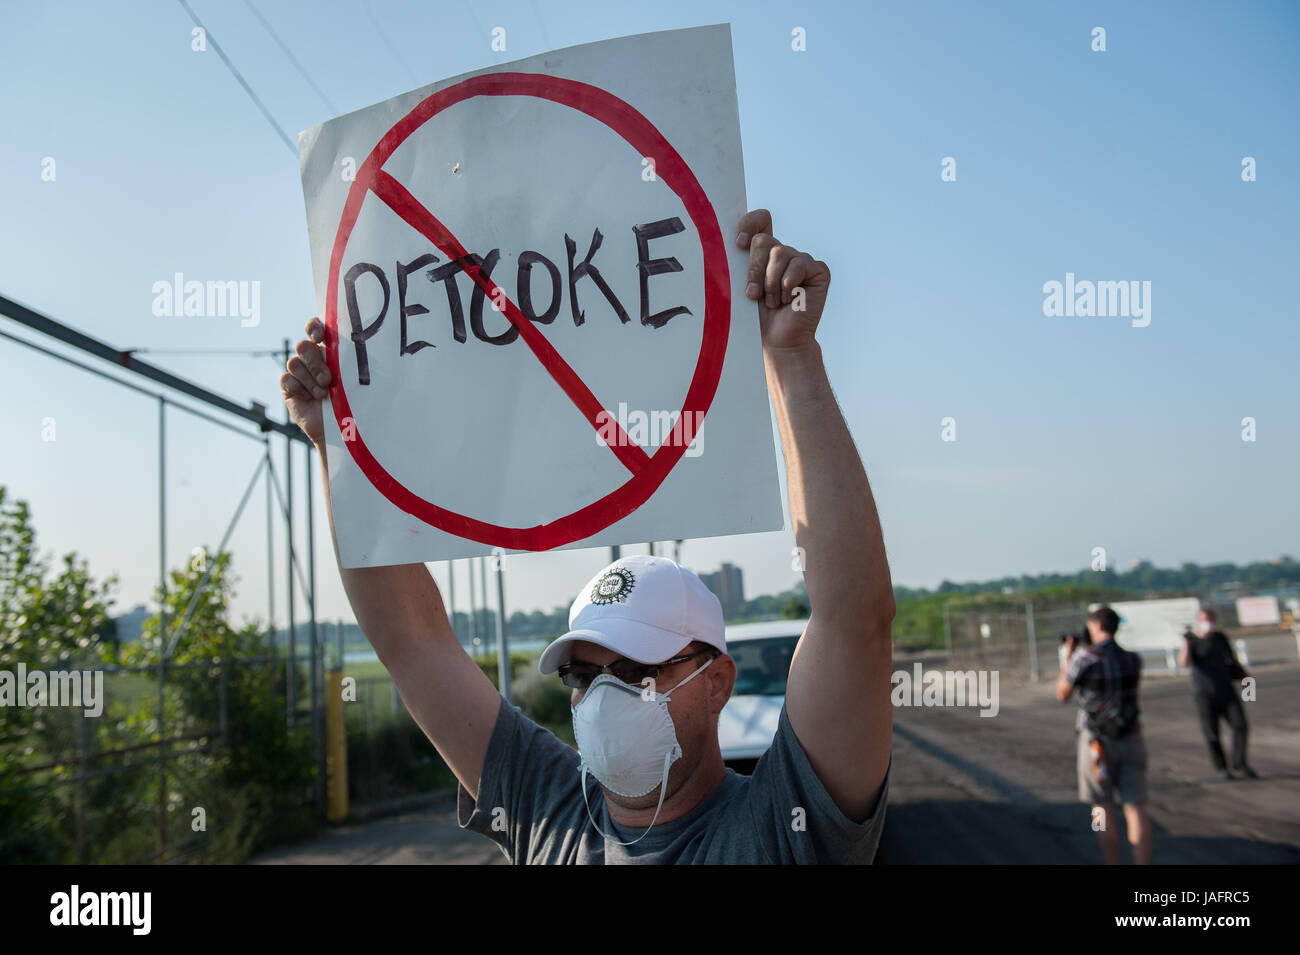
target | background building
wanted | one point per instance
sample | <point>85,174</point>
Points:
<point>728,585</point>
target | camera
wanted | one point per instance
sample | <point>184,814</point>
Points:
<point>1081,637</point>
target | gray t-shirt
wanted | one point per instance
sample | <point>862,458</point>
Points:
<point>530,804</point>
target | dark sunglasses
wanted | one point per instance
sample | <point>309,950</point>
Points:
<point>578,676</point>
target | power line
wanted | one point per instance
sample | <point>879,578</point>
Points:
<point>365,5</point>
<point>541,23</point>
<point>483,34</point>
<point>242,82</point>
<point>292,59</point>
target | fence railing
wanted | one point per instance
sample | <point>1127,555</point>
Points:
<point>1021,641</point>
<point>1026,642</point>
<point>109,786</point>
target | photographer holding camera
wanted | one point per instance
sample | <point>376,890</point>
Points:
<point>1215,669</point>
<point>1111,755</point>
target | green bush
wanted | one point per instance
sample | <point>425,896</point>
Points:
<point>395,759</point>
<point>252,785</point>
<point>543,698</point>
<point>27,835</point>
<point>518,662</point>
<point>47,621</point>
<point>256,783</point>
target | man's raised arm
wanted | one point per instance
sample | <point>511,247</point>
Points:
<point>400,610</point>
<point>838,696</point>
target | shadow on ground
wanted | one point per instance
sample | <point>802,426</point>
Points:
<point>966,833</point>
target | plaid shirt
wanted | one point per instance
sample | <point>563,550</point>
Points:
<point>1102,672</point>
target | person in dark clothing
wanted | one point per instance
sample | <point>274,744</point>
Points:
<point>1111,756</point>
<point>1215,673</point>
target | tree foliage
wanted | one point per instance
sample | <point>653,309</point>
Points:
<point>77,788</point>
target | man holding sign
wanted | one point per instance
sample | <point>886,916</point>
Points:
<point>646,656</point>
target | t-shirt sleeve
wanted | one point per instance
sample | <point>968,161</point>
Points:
<point>796,819</point>
<point>528,773</point>
<point>1079,664</point>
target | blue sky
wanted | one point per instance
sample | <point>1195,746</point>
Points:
<point>1072,433</point>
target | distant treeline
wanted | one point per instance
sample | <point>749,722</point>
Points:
<point>919,619</point>
<point>1144,579</point>
<point>540,625</point>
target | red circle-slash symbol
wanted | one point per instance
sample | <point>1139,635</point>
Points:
<point>648,471</point>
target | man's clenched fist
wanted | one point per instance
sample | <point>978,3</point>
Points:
<point>306,381</point>
<point>790,286</point>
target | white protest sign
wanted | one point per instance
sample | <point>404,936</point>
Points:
<point>535,307</point>
<point>1155,624</point>
<point>1258,611</point>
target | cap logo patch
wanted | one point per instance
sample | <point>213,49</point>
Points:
<point>613,586</point>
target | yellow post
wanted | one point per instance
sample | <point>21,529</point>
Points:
<point>336,751</point>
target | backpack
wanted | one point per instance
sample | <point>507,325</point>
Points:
<point>1112,718</point>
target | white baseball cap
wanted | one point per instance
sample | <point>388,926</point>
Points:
<point>644,608</point>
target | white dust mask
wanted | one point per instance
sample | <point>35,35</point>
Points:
<point>627,740</point>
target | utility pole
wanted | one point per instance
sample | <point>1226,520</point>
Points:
<point>473,612</point>
<point>451,597</point>
<point>503,644</point>
<point>1033,642</point>
<point>291,667</point>
<point>482,598</point>
<point>947,629</point>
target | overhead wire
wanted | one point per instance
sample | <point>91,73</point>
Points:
<point>209,38</point>
<point>365,5</point>
<point>302,71</point>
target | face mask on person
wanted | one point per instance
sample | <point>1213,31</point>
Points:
<point>627,740</point>
<point>1204,627</point>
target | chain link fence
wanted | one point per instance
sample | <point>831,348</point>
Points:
<point>190,762</point>
<point>1019,642</point>
<point>389,756</point>
<point>209,770</point>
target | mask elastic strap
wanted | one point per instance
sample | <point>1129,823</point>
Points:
<point>663,789</point>
<point>664,696</point>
